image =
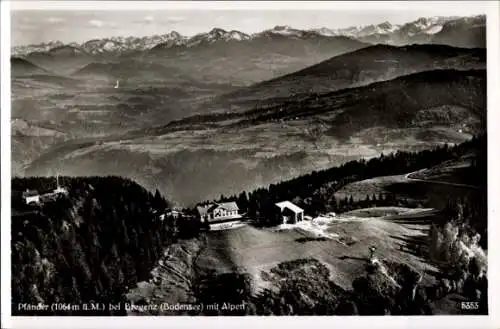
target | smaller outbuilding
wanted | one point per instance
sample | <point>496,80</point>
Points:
<point>289,213</point>
<point>31,197</point>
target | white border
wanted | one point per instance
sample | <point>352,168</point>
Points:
<point>493,88</point>
<point>405,6</point>
<point>453,322</point>
<point>5,155</point>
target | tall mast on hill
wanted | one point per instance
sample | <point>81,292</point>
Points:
<point>56,174</point>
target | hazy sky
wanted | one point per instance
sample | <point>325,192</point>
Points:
<point>29,26</point>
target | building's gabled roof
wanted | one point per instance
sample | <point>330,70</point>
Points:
<point>229,206</point>
<point>287,204</point>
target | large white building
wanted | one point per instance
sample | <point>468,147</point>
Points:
<point>219,212</point>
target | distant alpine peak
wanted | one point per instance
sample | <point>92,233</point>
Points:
<point>424,22</point>
<point>173,35</point>
<point>386,26</point>
<point>222,34</point>
<point>325,32</point>
<point>217,34</point>
<point>282,28</point>
<point>237,35</point>
<point>217,31</point>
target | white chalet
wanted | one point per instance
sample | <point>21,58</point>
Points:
<point>219,212</point>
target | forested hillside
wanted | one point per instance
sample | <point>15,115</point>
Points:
<point>88,247</point>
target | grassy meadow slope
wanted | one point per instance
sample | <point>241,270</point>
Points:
<point>253,250</point>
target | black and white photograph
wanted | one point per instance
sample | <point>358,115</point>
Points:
<point>237,161</point>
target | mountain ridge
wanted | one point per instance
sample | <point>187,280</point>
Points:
<point>357,68</point>
<point>422,30</point>
<point>296,109</point>
<point>21,66</point>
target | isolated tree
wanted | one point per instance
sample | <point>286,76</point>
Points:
<point>243,201</point>
<point>158,200</point>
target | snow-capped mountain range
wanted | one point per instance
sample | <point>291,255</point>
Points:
<point>430,25</point>
<point>420,31</point>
